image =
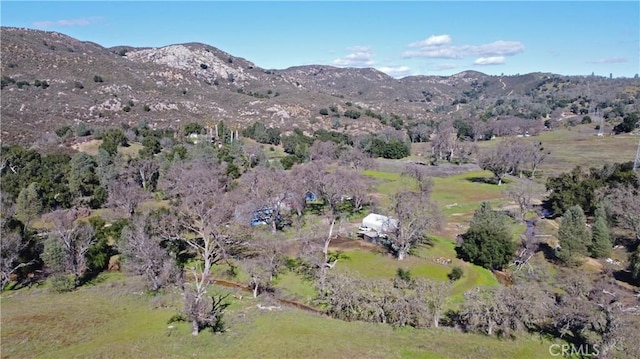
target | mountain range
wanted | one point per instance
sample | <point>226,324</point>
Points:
<point>50,80</point>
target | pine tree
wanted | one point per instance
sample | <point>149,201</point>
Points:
<point>488,241</point>
<point>574,237</point>
<point>601,241</point>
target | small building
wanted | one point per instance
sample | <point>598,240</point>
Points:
<point>379,223</point>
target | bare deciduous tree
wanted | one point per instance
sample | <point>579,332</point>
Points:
<point>419,173</point>
<point>333,187</point>
<point>626,208</point>
<point>499,161</point>
<point>324,151</point>
<point>535,155</point>
<point>126,195</point>
<point>268,191</point>
<point>145,172</point>
<point>434,294</point>
<point>522,193</point>
<point>356,158</point>
<point>144,254</point>
<point>445,142</point>
<point>202,218</point>
<point>415,214</point>
<point>265,262</point>
<point>11,246</point>
<point>75,238</point>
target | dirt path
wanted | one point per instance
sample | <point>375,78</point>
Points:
<point>282,301</point>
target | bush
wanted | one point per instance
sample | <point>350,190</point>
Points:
<point>97,78</point>
<point>324,111</point>
<point>61,283</point>
<point>352,114</point>
<point>82,130</point>
<point>204,66</point>
<point>146,108</point>
<point>78,85</point>
<point>63,131</point>
<point>126,109</point>
<point>455,274</point>
<point>586,120</point>
<point>403,274</point>
<point>6,80</point>
<point>20,84</point>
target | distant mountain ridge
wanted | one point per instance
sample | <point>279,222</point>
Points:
<point>193,82</point>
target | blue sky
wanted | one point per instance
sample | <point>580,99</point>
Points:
<point>400,38</point>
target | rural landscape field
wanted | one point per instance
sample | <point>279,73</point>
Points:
<point>181,201</point>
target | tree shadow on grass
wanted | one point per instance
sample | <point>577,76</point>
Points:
<point>485,180</point>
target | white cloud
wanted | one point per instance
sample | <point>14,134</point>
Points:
<point>433,40</point>
<point>492,60</point>
<point>395,71</point>
<point>360,56</point>
<point>439,46</point>
<point>610,60</point>
<point>66,22</point>
<point>499,48</point>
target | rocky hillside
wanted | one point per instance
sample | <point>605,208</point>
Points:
<point>50,80</point>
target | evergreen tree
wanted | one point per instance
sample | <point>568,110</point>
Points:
<point>488,241</point>
<point>574,237</point>
<point>28,204</point>
<point>601,241</point>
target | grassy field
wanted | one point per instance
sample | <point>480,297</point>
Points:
<point>579,145</point>
<point>92,147</point>
<point>113,319</point>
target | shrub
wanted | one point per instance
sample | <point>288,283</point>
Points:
<point>6,80</point>
<point>63,131</point>
<point>82,129</point>
<point>204,66</point>
<point>97,78</point>
<point>216,82</point>
<point>61,283</point>
<point>403,274</point>
<point>230,60</point>
<point>126,109</point>
<point>78,85</point>
<point>324,111</point>
<point>352,114</point>
<point>20,84</point>
<point>455,274</point>
<point>585,120</point>
<point>146,108</point>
